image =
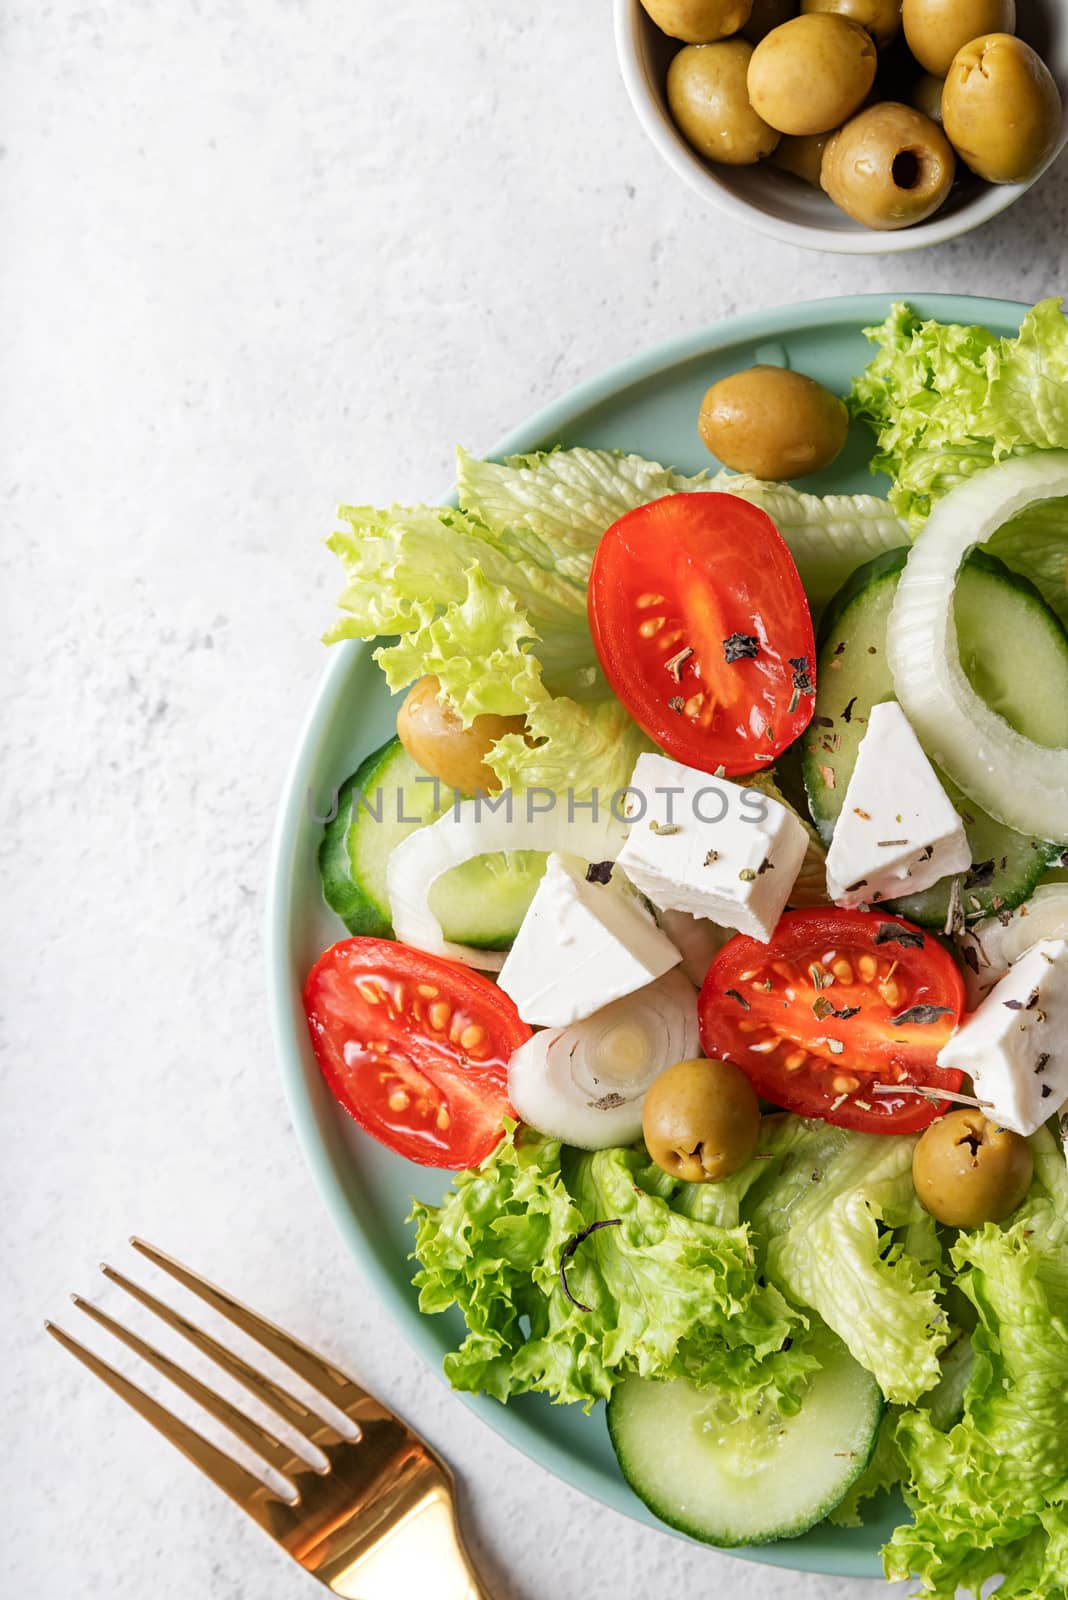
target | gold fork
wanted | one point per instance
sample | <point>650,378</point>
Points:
<point>377,1522</point>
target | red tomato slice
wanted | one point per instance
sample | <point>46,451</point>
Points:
<point>837,1002</point>
<point>415,1048</point>
<point>703,630</point>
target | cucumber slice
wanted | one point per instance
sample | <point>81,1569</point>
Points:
<point>732,1480</point>
<point>1015,653</point>
<point>480,903</point>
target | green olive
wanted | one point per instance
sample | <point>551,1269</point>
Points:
<point>701,1120</point>
<point>889,167</point>
<point>968,1171</point>
<point>773,423</point>
<point>765,15</point>
<point>801,154</point>
<point>926,96</point>
<point>881,18</point>
<point>936,29</point>
<point>698,21</point>
<point>1001,108</point>
<point>706,90</point>
<point>810,74</point>
<point>436,739</point>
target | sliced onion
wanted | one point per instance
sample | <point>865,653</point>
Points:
<point>585,1084</point>
<point>472,829</point>
<point>1021,783</point>
<point>698,940</point>
<point>994,945</point>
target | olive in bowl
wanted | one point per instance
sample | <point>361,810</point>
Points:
<point>706,90</point>
<point>967,1170</point>
<point>926,96</point>
<point>889,167</point>
<point>936,29</point>
<point>1001,108</point>
<point>772,422</point>
<point>881,18</point>
<point>768,14</point>
<point>701,1120</point>
<point>698,21</point>
<point>802,155</point>
<point>812,73</point>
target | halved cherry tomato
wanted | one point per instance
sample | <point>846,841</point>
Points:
<point>837,1002</point>
<point>703,630</point>
<point>415,1048</point>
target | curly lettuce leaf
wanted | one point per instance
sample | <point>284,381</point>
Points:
<point>989,1492</point>
<point>668,1295</point>
<point>946,401</point>
<point>1035,543</point>
<point>844,1233</point>
<point>562,501</point>
<point>491,598</point>
<point>579,748</point>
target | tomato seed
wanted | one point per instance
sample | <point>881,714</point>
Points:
<point>843,971</point>
<point>443,1119</point>
<point>766,1047</point>
<point>844,1083</point>
<point>439,1014</point>
<point>399,1100</point>
<point>644,601</point>
<point>371,992</point>
<point>890,992</point>
<point>693,705</point>
<point>868,967</point>
<point>650,626</point>
<point>795,1060</point>
<point>472,1036</point>
<point>429,991</point>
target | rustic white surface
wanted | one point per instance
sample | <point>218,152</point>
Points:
<point>257,257</point>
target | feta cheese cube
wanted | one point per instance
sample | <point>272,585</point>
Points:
<point>898,831</point>
<point>1015,1047</point>
<point>710,847</point>
<point>580,946</point>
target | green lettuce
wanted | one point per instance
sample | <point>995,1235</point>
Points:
<point>490,597</point>
<point>561,501</point>
<point>843,1232</point>
<point>989,1494</point>
<point>668,1295</point>
<point>1035,542</point>
<point>947,401</point>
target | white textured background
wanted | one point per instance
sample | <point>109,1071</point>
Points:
<point>258,256</point>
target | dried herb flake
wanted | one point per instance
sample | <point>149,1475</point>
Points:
<point>740,647</point>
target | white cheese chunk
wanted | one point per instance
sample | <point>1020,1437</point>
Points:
<point>710,847</point>
<point>898,831</point>
<point>580,946</point>
<point>1015,1047</point>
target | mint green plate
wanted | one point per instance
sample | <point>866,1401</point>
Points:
<point>649,404</point>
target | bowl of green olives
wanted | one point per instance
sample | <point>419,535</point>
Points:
<point>857,126</point>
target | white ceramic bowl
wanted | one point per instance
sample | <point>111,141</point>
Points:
<point>775,203</point>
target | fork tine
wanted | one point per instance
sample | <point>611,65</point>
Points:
<point>270,1449</point>
<point>299,1416</point>
<point>228,1475</point>
<point>313,1368</point>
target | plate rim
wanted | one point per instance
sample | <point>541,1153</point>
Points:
<point>509,1423</point>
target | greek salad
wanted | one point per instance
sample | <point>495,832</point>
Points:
<point>708,917</point>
